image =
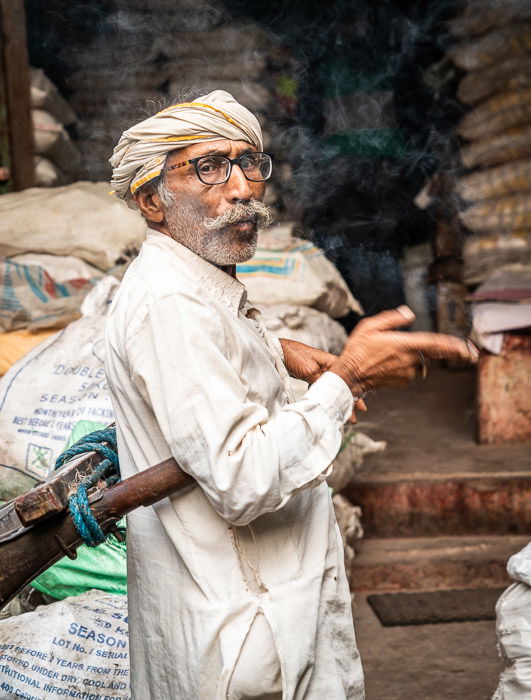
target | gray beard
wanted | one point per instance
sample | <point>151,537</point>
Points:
<point>212,239</point>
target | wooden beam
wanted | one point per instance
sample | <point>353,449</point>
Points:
<point>16,83</point>
<point>5,162</point>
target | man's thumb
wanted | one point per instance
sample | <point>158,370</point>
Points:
<point>389,320</point>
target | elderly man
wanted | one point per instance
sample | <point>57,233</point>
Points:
<point>237,587</point>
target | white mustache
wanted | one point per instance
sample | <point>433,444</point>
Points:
<point>242,211</point>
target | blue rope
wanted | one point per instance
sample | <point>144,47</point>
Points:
<point>90,442</point>
<point>85,523</point>
<point>108,470</point>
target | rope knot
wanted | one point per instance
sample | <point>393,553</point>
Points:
<point>108,470</point>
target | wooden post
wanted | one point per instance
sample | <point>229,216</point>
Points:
<point>5,161</point>
<point>15,81</point>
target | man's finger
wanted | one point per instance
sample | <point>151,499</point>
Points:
<point>437,346</point>
<point>387,320</point>
<point>360,405</point>
<point>397,363</point>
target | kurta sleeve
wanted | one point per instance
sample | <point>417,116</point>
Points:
<point>247,458</point>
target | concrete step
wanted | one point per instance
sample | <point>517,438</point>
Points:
<point>411,504</point>
<point>433,563</point>
<point>433,478</point>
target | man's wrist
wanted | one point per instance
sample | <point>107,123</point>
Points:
<point>348,374</point>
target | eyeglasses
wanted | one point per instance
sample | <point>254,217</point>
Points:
<point>215,170</point>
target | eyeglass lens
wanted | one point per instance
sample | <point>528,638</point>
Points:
<point>213,170</point>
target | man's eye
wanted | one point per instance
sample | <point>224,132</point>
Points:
<point>248,162</point>
<point>208,166</point>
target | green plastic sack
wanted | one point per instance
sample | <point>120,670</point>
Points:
<point>103,567</point>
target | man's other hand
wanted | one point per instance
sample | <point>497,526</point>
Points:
<point>307,363</point>
<point>304,362</point>
<point>377,355</point>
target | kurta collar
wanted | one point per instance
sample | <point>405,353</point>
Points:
<point>230,290</point>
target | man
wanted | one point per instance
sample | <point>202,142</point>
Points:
<point>237,586</point>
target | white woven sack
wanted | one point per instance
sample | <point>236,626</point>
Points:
<point>61,267</point>
<point>56,386</point>
<point>81,219</point>
<point>31,298</point>
<point>51,139</point>
<point>513,627</point>
<point>75,648</point>
<point>304,324</point>
<point>297,273</point>
<point>519,565</point>
<point>45,95</point>
<point>47,174</point>
<point>46,130</point>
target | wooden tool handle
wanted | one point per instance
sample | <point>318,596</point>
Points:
<point>142,489</point>
<point>26,555</point>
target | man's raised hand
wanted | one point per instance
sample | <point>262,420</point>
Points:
<point>376,354</point>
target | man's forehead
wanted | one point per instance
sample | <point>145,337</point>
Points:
<point>219,147</point>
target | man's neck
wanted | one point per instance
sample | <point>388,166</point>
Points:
<point>229,269</point>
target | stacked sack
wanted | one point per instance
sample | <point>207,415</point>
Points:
<point>56,244</point>
<point>146,54</point>
<point>494,49</point>
<point>57,160</point>
<point>61,246</point>
<point>53,396</point>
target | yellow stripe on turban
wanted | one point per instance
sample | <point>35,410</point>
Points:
<point>141,151</point>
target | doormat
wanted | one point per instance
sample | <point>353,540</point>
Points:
<point>433,607</point>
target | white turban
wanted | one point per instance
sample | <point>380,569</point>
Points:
<point>141,151</point>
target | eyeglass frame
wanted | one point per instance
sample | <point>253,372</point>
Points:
<point>231,161</point>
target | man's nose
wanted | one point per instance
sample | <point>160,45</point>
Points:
<point>238,186</point>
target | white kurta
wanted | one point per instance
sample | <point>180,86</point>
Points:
<point>193,375</point>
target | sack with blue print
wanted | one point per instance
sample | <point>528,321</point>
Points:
<point>296,272</point>
<point>55,390</point>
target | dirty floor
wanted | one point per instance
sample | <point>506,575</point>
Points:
<point>456,661</point>
<point>442,661</point>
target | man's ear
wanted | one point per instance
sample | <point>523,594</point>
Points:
<point>150,206</point>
